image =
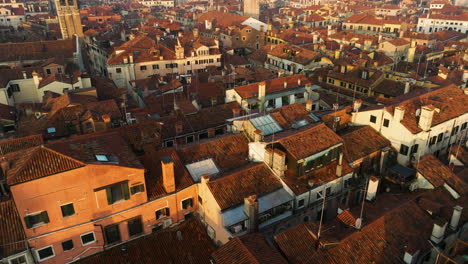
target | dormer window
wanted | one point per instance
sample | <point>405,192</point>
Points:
<point>102,158</point>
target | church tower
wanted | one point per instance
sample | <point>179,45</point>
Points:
<point>252,8</point>
<point>68,15</point>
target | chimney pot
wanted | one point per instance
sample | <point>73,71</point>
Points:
<point>457,211</point>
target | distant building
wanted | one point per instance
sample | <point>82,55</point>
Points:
<point>437,22</point>
<point>69,18</point>
<point>252,8</point>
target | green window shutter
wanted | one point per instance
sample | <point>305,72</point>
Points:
<point>125,190</point>
<point>142,188</point>
<point>27,221</point>
<point>168,212</point>
<point>45,217</point>
<point>109,195</point>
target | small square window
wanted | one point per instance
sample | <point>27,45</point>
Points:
<point>137,189</point>
<point>414,148</point>
<point>135,227</point>
<point>155,66</point>
<point>142,68</point>
<point>187,203</point>
<point>112,234</point>
<point>373,119</point>
<point>67,210</point>
<point>45,253</point>
<point>300,203</point>
<point>386,122</point>
<point>118,70</point>
<point>88,238</point>
<point>463,126</point>
<point>67,245</point>
<point>51,130</point>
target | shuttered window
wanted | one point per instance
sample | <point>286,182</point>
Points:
<point>117,192</point>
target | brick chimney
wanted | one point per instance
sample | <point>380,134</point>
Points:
<point>407,87</point>
<point>357,105</point>
<point>258,135</point>
<point>278,162</point>
<point>167,166</point>
<point>339,166</point>
<point>251,211</point>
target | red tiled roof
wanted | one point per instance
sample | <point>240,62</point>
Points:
<point>17,144</point>
<point>40,50</point>
<point>229,152</point>
<point>12,236</point>
<point>230,190</point>
<point>153,177</point>
<point>37,162</point>
<point>451,100</point>
<point>85,147</point>
<point>438,174</point>
<point>194,247</point>
<point>248,249</point>
<point>361,142</point>
<point>311,141</point>
<point>272,86</point>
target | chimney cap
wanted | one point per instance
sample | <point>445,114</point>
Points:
<point>167,160</point>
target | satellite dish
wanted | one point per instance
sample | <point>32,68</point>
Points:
<point>358,223</point>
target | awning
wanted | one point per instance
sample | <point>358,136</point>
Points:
<point>273,199</point>
<point>234,216</point>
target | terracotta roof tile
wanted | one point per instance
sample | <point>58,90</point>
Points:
<point>12,236</point>
<point>230,190</point>
<point>361,142</point>
<point>272,86</point>
<point>438,174</point>
<point>195,247</point>
<point>248,249</point>
<point>311,141</point>
<point>37,162</point>
<point>229,152</point>
<point>17,144</point>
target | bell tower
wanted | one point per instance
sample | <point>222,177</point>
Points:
<point>68,15</point>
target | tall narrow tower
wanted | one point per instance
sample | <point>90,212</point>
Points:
<point>68,15</point>
<point>252,8</point>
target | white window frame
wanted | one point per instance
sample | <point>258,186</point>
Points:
<point>10,261</point>
<point>89,243</point>
<point>181,203</point>
<point>37,253</point>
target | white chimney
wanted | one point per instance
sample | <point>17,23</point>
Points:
<point>372,187</point>
<point>407,87</point>
<point>399,113</point>
<point>299,82</point>
<point>130,58</point>
<point>438,233</point>
<point>285,84</point>
<point>25,76</point>
<point>425,119</point>
<point>457,211</point>
<point>357,105</point>
<point>261,91</point>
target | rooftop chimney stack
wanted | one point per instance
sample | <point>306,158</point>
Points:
<point>167,166</point>
<point>457,211</point>
<point>372,187</point>
<point>309,106</point>
<point>425,118</point>
<point>357,105</point>
<point>285,84</point>
<point>399,113</point>
<point>339,167</point>
<point>251,211</point>
<point>407,87</point>
<point>236,112</point>
<point>438,232</point>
